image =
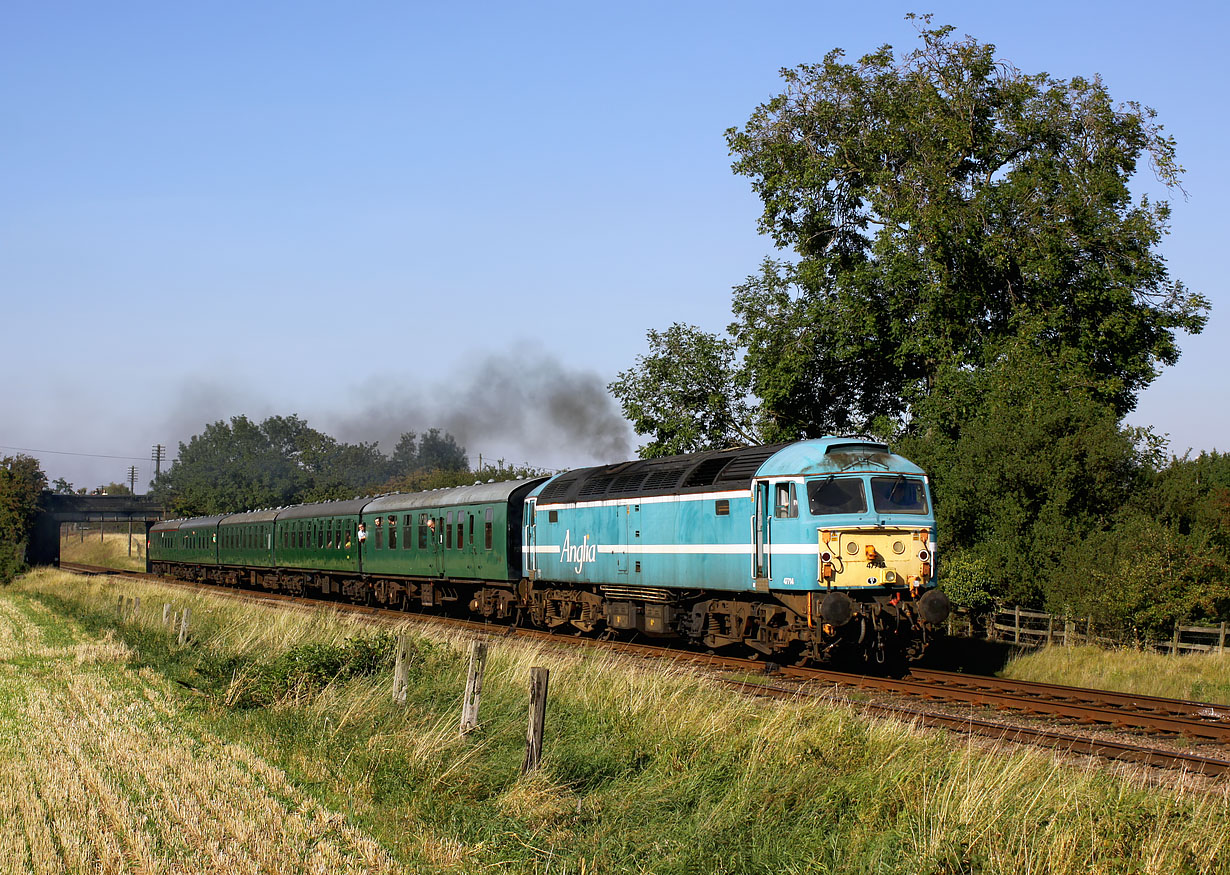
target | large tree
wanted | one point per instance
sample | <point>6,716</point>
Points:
<point>939,206</point>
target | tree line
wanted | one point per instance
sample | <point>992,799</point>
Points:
<point>245,465</point>
<point>964,271</point>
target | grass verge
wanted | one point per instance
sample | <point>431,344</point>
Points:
<point>109,551</point>
<point>645,769</point>
<point>1203,677</point>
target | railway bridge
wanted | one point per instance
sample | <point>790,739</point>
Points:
<point>59,509</point>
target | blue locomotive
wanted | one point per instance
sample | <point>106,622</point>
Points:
<point>800,551</point>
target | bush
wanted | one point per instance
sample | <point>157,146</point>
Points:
<point>307,668</point>
<point>966,580</point>
<point>12,560</point>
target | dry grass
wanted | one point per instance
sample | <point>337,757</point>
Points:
<point>1203,677</point>
<point>110,551</point>
<point>98,773</point>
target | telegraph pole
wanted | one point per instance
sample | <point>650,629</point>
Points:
<point>158,454</point>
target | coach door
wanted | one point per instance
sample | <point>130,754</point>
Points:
<point>762,519</point>
<point>529,541</point>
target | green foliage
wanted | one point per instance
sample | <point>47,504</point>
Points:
<point>940,206</point>
<point>111,489</point>
<point>1025,462</point>
<point>687,393</point>
<point>243,465</point>
<point>1165,560</point>
<point>307,668</point>
<point>436,478</point>
<point>22,482</point>
<point>12,559</point>
<point>945,203</point>
<point>968,582</point>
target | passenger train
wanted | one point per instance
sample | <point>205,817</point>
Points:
<point>805,551</point>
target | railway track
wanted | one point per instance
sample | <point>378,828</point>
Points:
<point>1095,710</point>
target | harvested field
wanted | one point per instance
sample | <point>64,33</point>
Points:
<point>98,774</point>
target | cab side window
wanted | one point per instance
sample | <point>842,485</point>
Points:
<point>785,501</point>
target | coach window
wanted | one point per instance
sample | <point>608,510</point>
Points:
<point>448,531</point>
<point>405,528</point>
<point>786,503</point>
<point>379,532</point>
<point>471,530</point>
<point>320,536</point>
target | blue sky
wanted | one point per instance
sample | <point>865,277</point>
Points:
<point>375,214</point>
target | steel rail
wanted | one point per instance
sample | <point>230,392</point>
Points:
<point>1036,736</point>
<point>1076,710</point>
<point>1203,711</point>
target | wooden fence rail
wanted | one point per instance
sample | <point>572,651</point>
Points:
<point>1037,629</point>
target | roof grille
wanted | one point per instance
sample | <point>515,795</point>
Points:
<point>663,479</point>
<point>556,488</point>
<point>706,473</point>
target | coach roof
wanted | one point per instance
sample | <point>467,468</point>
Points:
<point>348,507</point>
<point>478,493</point>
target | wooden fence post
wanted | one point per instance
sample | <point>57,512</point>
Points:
<point>166,614</point>
<point>1050,630</point>
<point>1174,642</point>
<point>474,686</point>
<point>401,669</point>
<point>538,718</point>
<point>183,625</point>
<point>119,608</point>
<point>1221,638</point>
<point>1016,625</point>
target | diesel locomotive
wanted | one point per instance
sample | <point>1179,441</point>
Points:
<point>804,551</point>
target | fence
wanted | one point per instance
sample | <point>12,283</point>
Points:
<point>1038,628</point>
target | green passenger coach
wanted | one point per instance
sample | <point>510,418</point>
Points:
<point>463,533</point>
<point>246,539</point>
<point>319,537</point>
